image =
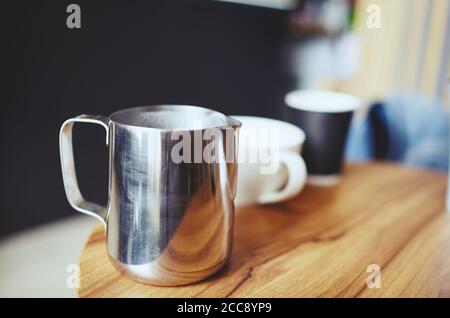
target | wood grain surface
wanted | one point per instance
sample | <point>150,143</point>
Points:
<point>320,244</point>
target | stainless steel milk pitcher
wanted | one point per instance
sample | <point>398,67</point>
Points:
<point>172,182</point>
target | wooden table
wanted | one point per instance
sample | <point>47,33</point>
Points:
<point>320,244</point>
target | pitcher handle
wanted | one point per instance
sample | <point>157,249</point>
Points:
<point>296,179</point>
<point>73,193</point>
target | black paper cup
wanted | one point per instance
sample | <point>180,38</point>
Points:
<point>325,118</point>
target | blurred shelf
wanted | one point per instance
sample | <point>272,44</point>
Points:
<point>321,244</point>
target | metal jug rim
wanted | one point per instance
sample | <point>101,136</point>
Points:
<point>130,117</point>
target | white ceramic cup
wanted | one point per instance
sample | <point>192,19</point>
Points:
<point>270,166</point>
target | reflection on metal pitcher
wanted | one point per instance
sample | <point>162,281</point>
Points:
<point>167,222</point>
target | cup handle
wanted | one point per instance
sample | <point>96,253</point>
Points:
<point>73,193</point>
<point>296,179</point>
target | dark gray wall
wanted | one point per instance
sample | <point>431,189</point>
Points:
<point>127,53</point>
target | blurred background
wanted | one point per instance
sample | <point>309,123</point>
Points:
<point>238,57</point>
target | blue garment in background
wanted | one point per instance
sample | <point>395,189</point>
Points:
<point>408,129</point>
